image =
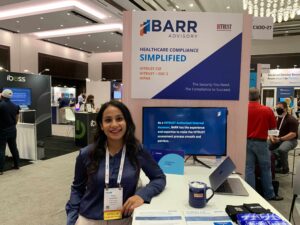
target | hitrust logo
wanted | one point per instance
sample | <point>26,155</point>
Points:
<point>175,29</point>
<point>224,27</point>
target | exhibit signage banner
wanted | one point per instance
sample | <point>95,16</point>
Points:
<point>186,55</point>
<point>262,28</point>
<point>281,77</point>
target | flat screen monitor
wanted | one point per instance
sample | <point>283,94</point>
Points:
<point>117,95</point>
<point>195,130</point>
<point>21,96</point>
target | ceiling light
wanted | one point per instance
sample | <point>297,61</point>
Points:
<point>104,41</point>
<point>191,5</point>
<point>44,70</point>
<point>280,10</point>
<point>1,68</point>
<point>61,25</point>
<point>69,14</point>
<point>88,79</point>
<point>228,7</point>
<point>97,46</point>
<point>66,44</point>
<point>38,28</point>
<point>86,21</point>
<point>84,42</point>
<point>68,38</point>
<point>41,18</point>
<point>177,6</point>
<point>17,21</point>
<point>80,30</point>
<point>39,7</point>
<point>18,31</point>
<point>89,35</point>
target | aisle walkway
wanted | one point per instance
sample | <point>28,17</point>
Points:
<point>36,194</point>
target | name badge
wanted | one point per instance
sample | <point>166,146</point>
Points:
<point>273,132</point>
<point>113,203</point>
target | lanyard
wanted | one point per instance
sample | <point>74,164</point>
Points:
<point>120,169</point>
<point>281,123</point>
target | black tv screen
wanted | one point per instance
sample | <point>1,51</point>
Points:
<point>112,71</point>
<point>21,96</point>
<point>195,130</point>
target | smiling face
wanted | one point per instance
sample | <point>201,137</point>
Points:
<point>113,124</point>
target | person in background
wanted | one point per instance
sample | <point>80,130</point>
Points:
<point>72,101</point>
<point>90,101</point>
<point>81,99</point>
<point>298,107</point>
<point>289,108</point>
<point>64,101</point>
<point>287,138</point>
<point>112,164</point>
<point>260,120</point>
<point>9,115</point>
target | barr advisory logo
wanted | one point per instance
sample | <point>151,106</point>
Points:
<point>224,27</point>
<point>16,78</point>
<point>177,26</point>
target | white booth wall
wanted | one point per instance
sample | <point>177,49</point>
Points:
<point>101,91</point>
<point>238,110</point>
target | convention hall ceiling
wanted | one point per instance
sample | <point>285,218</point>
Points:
<point>100,21</point>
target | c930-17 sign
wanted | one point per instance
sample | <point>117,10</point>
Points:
<point>262,27</point>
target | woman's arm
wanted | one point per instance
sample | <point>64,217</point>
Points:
<point>154,187</point>
<point>77,190</point>
<point>154,173</point>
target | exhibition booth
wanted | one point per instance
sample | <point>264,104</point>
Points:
<point>32,93</point>
<point>189,100</point>
<point>280,84</point>
<point>186,100</point>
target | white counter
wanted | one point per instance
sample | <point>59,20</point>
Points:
<point>26,141</point>
<point>176,194</point>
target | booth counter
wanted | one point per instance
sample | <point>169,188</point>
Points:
<point>27,136</point>
<point>26,141</point>
<point>85,128</point>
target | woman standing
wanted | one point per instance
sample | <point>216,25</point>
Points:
<point>104,189</point>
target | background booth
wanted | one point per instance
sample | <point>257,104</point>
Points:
<point>279,84</point>
<point>85,128</point>
<point>32,93</point>
<point>56,93</point>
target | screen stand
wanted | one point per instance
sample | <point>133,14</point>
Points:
<point>199,161</point>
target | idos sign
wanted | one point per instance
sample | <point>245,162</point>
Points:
<point>16,78</point>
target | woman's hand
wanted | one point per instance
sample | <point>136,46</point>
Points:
<point>132,203</point>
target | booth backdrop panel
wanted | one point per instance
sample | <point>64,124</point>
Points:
<point>238,110</point>
<point>101,91</point>
<point>40,96</point>
<point>186,55</point>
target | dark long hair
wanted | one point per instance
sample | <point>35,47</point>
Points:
<point>131,142</point>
